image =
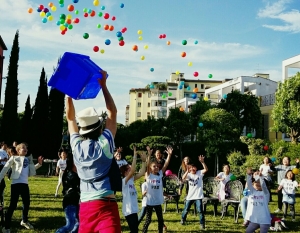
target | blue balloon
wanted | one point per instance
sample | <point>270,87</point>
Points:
<point>118,34</point>
<point>151,69</point>
<point>181,83</point>
<point>107,41</point>
<point>196,42</point>
<point>90,11</point>
<point>122,5</point>
<point>44,20</point>
<point>225,96</point>
<point>75,1</point>
<point>194,95</point>
<point>103,8</point>
<point>48,14</point>
<point>58,22</point>
<point>62,5</point>
<point>38,9</point>
<point>200,124</point>
<point>188,88</point>
<point>180,87</point>
<point>151,86</point>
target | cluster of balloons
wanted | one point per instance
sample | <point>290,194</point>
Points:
<point>162,36</point>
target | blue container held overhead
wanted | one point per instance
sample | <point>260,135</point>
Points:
<point>76,75</point>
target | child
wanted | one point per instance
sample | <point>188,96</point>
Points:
<point>266,171</point>
<point>195,194</point>
<point>144,202</point>
<point>22,168</point>
<point>183,168</point>
<point>155,197</point>
<point>118,158</point>
<point>130,203</point>
<point>258,213</point>
<point>281,171</point>
<point>60,167</point>
<point>224,177</point>
<point>71,192</point>
<point>288,186</point>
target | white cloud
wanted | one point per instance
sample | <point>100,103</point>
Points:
<point>290,18</point>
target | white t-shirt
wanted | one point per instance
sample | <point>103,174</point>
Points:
<point>121,162</point>
<point>222,175</point>
<point>3,155</point>
<point>155,189</point>
<point>288,186</point>
<point>23,178</point>
<point>257,208</point>
<point>195,185</point>
<point>144,200</point>
<point>130,203</point>
<point>61,164</point>
<point>265,169</point>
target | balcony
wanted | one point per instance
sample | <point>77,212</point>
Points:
<point>267,100</point>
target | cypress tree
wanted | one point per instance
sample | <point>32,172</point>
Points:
<point>39,123</point>
<point>26,122</point>
<point>56,116</point>
<point>10,118</point>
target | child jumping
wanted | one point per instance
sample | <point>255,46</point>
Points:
<point>288,186</point>
<point>60,168</point>
<point>22,168</point>
<point>258,213</point>
<point>195,194</point>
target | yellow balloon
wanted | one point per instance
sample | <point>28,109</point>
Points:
<point>140,32</point>
<point>50,18</point>
<point>42,14</point>
<point>145,46</point>
<point>140,38</point>
<point>206,98</point>
<point>177,72</point>
<point>69,16</point>
<point>53,8</point>
<point>62,27</point>
<point>142,57</point>
<point>96,3</point>
<point>102,51</point>
<point>190,63</point>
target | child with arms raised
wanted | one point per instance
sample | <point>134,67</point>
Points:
<point>130,202</point>
<point>195,194</point>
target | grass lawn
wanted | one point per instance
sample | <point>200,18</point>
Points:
<point>46,213</point>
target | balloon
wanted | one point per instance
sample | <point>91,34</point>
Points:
<point>184,42</point>
<point>75,1</point>
<point>61,1</point>
<point>120,38</point>
<point>245,192</point>
<point>42,14</point>
<point>50,4</point>
<point>76,20</point>
<point>41,7</point>
<point>142,57</point>
<point>151,69</point>
<point>295,171</point>
<point>194,96</point>
<point>273,159</point>
<point>111,28</point>
<point>71,8</point>
<point>76,12</point>
<point>118,34</point>
<point>180,87</point>
<point>163,96</point>
<point>164,36</point>
<point>96,48</point>
<point>177,72</point>
<point>62,27</point>
<point>107,41</point>
<point>205,98</point>
<point>86,35</point>
<point>195,90</point>
<point>190,63</point>
<point>232,177</point>
<point>62,16</point>
<point>181,109</point>
<point>188,88</point>
<point>30,10</point>
<point>225,96</point>
<point>249,135</point>
<point>93,13</point>
<point>102,51</point>
<point>50,18</point>
<point>145,46</point>
<point>210,75</point>
<point>106,16</point>
<point>181,83</point>
<point>68,21</point>
<point>44,20</point>
<point>113,18</point>
<point>100,14</point>
<point>168,42</point>
<point>196,42</point>
<point>122,5</point>
<point>196,74</point>
<point>48,14</point>
<point>121,43</point>
<point>106,27</point>
<point>70,27</point>
<point>160,37</point>
<point>168,172</point>
<point>85,10</point>
<point>200,124</point>
<point>140,38</point>
<point>140,32</point>
<point>53,8</point>
<point>103,8</point>
<point>170,94</point>
<point>266,147</point>
<point>183,54</point>
<point>62,5</point>
<point>96,3</point>
<point>85,14</point>
<point>152,86</point>
<point>38,10</point>
<point>135,48</point>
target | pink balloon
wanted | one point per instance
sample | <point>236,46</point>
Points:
<point>196,74</point>
<point>168,172</point>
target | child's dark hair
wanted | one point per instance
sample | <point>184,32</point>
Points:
<point>192,165</point>
<point>224,165</point>
<point>11,150</point>
<point>293,178</point>
<point>70,163</point>
<point>123,169</point>
<point>3,143</point>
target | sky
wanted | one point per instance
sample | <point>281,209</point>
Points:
<point>225,38</point>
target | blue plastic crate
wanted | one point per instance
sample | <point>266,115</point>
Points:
<point>76,75</point>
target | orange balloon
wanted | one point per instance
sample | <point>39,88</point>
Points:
<point>68,21</point>
<point>181,109</point>
<point>135,48</point>
<point>106,27</point>
<point>195,90</point>
<point>93,13</point>
<point>30,10</point>
<point>111,28</point>
<point>183,54</point>
<point>168,42</point>
<point>71,8</point>
<point>50,4</point>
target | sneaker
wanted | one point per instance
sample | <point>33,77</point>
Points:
<point>202,227</point>
<point>27,225</point>
<point>278,211</point>
<point>182,222</point>
<point>5,230</point>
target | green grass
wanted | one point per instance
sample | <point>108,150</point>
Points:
<point>46,213</point>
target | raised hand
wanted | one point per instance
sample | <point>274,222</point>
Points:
<point>297,160</point>
<point>40,159</point>
<point>149,150</point>
<point>143,156</point>
<point>169,150</point>
<point>249,171</point>
<point>201,158</point>
<point>102,81</point>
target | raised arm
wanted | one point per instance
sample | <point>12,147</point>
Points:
<point>169,150</point>
<point>297,163</point>
<point>70,115</point>
<point>249,180</point>
<point>111,121</point>
<point>133,166</point>
<point>143,169</point>
<point>201,159</point>
<point>185,174</point>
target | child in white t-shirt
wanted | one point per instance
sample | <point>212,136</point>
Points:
<point>130,204</point>
<point>223,177</point>
<point>118,157</point>
<point>266,171</point>
<point>195,194</point>
<point>258,213</point>
<point>288,186</point>
<point>60,167</point>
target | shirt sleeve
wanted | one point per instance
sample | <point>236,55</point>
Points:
<point>107,143</point>
<point>75,139</point>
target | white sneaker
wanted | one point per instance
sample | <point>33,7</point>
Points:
<point>5,230</point>
<point>278,211</point>
<point>27,225</point>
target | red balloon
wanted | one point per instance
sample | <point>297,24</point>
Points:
<point>266,148</point>
<point>93,13</point>
<point>123,31</point>
<point>164,35</point>
<point>160,36</point>
<point>76,20</point>
<point>121,43</point>
<point>106,16</point>
<point>85,14</point>
<point>183,54</point>
<point>96,49</point>
<point>196,74</point>
<point>113,18</point>
<point>71,8</point>
<point>41,7</point>
<point>63,32</point>
<point>106,27</point>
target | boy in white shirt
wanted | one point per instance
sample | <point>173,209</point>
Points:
<point>195,194</point>
<point>60,168</point>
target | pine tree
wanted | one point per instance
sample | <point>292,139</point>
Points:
<point>56,115</point>
<point>26,122</point>
<point>39,137</point>
<point>10,118</point>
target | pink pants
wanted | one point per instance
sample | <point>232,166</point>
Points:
<point>99,216</point>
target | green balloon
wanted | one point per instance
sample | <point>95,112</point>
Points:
<point>249,135</point>
<point>86,35</point>
<point>232,177</point>
<point>85,10</point>
<point>210,75</point>
<point>62,16</point>
<point>100,14</point>
<point>120,38</point>
<point>99,25</point>
<point>61,1</point>
<point>70,26</point>
<point>62,21</point>
<point>170,93</point>
<point>184,42</point>
<point>77,12</point>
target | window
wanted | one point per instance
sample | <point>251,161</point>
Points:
<point>139,104</point>
<point>195,85</point>
<point>208,96</point>
<point>148,105</point>
<point>139,95</point>
<point>148,113</point>
<point>138,114</point>
<point>202,86</point>
<point>201,95</point>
